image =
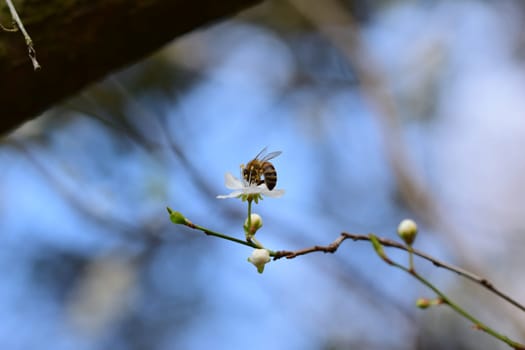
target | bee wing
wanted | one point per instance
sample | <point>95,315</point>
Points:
<point>270,156</point>
<point>263,157</point>
<point>261,153</point>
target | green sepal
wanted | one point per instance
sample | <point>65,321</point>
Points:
<point>379,248</point>
<point>251,197</point>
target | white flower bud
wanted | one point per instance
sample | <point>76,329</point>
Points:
<point>407,230</point>
<point>255,224</point>
<point>259,258</point>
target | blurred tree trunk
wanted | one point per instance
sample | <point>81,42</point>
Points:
<point>79,42</point>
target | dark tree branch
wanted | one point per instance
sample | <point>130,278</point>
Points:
<point>79,42</point>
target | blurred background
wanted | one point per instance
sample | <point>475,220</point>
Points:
<point>382,109</point>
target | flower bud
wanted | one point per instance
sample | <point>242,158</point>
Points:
<point>423,303</point>
<point>407,230</point>
<point>176,217</point>
<point>255,224</point>
<point>259,258</point>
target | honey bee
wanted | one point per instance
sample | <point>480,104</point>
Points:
<point>259,170</point>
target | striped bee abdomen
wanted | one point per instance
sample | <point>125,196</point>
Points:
<point>270,175</point>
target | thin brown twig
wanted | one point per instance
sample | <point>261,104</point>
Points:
<point>332,248</point>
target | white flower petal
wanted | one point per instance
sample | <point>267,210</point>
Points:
<point>274,193</point>
<point>252,190</point>
<point>234,194</point>
<point>232,182</point>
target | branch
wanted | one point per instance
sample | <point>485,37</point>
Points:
<point>407,230</point>
<point>80,42</point>
<point>332,248</point>
<point>443,298</point>
<point>178,218</point>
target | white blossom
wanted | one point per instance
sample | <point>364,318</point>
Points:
<point>243,188</point>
